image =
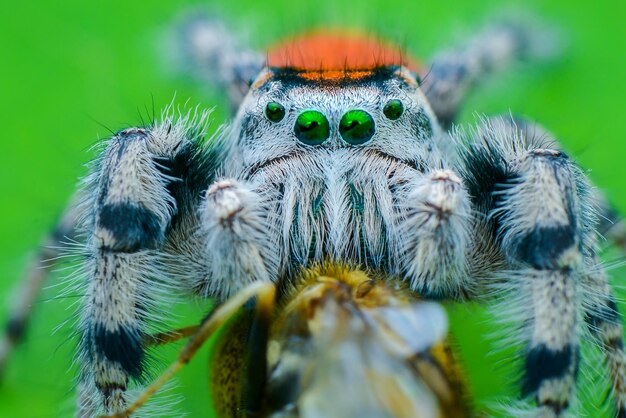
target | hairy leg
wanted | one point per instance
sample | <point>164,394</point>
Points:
<point>601,315</point>
<point>611,224</point>
<point>236,243</point>
<point>131,210</point>
<point>453,73</point>
<point>264,304</point>
<point>436,229</point>
<point>605,324</point>
<point>541,212</point>
<point>34,280</point>
<point>212,53</point>
<point>135,194</point>
<point>541,231</point>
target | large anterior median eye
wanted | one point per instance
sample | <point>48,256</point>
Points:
<point>274,112</point>
<point>356,127</point>
<point>312,127</point>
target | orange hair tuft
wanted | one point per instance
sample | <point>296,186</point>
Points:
<point>335,51</point>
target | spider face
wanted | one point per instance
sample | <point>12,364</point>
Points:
<point>322,114</point>
<point>331,152</point>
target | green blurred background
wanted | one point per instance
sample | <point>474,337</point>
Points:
<point>73,70</point>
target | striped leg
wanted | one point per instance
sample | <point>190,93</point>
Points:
<point>211,53</point>
<point>33,281</point>
<point>131,207</point>
<point>605,325</point>
<point>542,216</point>
<point>452,74</point>
<point>264,304</point>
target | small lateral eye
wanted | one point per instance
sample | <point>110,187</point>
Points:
<point>357,127</point>
<point>312,127</point>
<point>393,109</point>
<point>274,112</point>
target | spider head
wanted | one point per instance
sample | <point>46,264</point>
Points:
<point>356,106</point>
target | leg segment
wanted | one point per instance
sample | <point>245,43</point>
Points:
<point>167,337</point>
<point>133,199</point>
<point>131,210</point>
<point>264,294</point>
<point>541,228</point>
<point>436,230</point>
<point>236,243</point>
<point>212,53</point>
<point>33,282</point>
<point>540,211</point>
<point>452,74</point>
<point>605,324</point>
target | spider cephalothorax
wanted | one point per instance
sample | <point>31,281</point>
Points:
<point>340,153</point>
<point>336,160</point>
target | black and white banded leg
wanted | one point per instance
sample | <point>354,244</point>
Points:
<point>453,73</point>
<point>135,195</point>
<point>31,285</point>
<point>543,216</point>
<point>158,227</point>
<point>212,53</point>
<point>605,324</point>
<point>542,229</point>
<point>540,211</point>
<point>130,210</point>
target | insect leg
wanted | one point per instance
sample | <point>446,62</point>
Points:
<point>264,295</point>
<point>436,228</point>
<point>167,337</point>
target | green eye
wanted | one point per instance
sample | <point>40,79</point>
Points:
<point>393,109</point>
<point>356,127</point>
<point>312,127</point>
<point>275,112</point>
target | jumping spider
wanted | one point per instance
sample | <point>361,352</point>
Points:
<point>340,152</point>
